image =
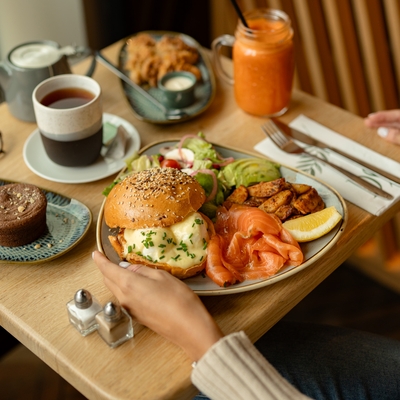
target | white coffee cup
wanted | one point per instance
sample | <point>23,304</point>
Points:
<point>69,113</point>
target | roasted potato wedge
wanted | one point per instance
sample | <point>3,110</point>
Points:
<point>267,189</point>
<point>274,202</point>
<point>284,199</point>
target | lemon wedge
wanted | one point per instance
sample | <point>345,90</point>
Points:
<point>313,226</point>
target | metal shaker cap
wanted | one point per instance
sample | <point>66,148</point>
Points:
<point>83,299</point>
<point>112,311</point>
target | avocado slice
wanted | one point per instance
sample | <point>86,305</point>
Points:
<point>249,171</point>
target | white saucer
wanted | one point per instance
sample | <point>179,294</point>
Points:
<point>36,159</point>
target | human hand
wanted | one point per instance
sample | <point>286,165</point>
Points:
<point>387,124</point>
<point>163,303</point>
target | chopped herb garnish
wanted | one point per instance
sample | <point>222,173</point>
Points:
<point>129,249</point>
<point>183,246</point>
<point>162,257</point>
<point>148,242</point>
<point>176,258</point>
<point>162,245</point>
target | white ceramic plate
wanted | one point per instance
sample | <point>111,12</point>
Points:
<point>68,221</point>
<point>313,251</point>
<point>36,159</point>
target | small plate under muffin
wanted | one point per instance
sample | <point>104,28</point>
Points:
<point>68,221</point>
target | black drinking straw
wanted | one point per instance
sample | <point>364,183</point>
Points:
<point>239,13</point>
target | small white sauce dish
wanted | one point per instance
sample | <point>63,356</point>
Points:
<point>177,89</point>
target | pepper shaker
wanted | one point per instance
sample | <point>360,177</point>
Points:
<point>82,310</point>
<point>114,324</point>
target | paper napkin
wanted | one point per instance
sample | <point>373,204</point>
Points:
<point>351,191</point>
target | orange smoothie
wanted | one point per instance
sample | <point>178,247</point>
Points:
<point>263,58</point>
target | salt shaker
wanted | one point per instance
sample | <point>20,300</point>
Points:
<point>114,324</point>
<point>82,310</point>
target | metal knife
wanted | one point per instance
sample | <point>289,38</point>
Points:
<point>295,134</point>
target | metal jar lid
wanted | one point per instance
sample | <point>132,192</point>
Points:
<point>112,312</point>
<point>83,299</point>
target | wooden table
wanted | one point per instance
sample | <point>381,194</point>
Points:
<point>33,297</point>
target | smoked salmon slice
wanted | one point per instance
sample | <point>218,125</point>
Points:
<point>249,244</point>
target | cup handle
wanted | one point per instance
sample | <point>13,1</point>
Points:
<point>224,40</point>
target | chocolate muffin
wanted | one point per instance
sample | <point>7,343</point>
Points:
<point>22,214</point>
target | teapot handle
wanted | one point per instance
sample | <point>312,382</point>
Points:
<point>5,74</point>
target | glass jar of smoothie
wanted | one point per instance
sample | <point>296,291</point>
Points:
<point>263,62</point>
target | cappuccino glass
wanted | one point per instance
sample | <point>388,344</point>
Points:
<point>69,113</point>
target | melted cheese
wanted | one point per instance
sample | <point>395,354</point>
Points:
<point>181,245</point>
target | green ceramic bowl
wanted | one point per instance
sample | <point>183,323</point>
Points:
<point>177,89</point>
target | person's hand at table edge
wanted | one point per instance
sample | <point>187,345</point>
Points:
<point>163,303</point>
<point>387,124</point>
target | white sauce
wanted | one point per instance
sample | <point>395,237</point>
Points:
<point>178,83</point>
<point>181,245</point>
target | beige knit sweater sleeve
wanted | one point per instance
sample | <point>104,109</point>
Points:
<point>234,369</point>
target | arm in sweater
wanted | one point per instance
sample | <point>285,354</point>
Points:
<point>234,369</point>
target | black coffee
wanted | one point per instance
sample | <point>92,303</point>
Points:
<point>67,98</point>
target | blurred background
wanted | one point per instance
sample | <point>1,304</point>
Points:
<point>347,51</point>
<point>23,21</point>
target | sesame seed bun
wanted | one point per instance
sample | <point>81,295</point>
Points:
<point>157,197</point>
<point>154,198</point>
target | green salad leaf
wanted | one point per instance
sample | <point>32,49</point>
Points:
<point>203,150</point>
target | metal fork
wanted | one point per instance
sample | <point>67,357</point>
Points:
<point>286,144</point>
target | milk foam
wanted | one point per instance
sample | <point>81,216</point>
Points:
<point>35,56</point>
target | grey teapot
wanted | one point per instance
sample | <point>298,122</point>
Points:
<point>26,66</point>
